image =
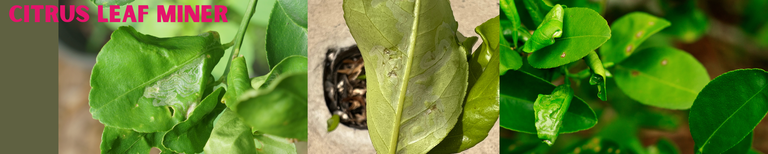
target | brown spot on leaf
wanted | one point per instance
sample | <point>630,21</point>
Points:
<point>635,73</point>
<point>628,49</point>
<point>562,55</point>
<point>262,145</point>
<point>293,140</point>
<point>639,34</point>
<point>664,62</point>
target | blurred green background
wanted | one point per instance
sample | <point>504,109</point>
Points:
<point>80,42</point>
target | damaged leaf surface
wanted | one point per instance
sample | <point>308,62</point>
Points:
<point>415,70</point>
<point>154,81</point>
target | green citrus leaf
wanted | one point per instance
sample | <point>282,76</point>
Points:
<point>333,122</point>
<point>598,75</point>
<point>290,64</point>
<point>481,108</point>
<point>549,110</point>
<point>230,135</point>
<point>269,144</point>
<point>116,140</point>
<point>584,30</point>
<point>154,81</point>
<point>627,33</point>
<point>510,59</point>
<point>545,34</point>
<point>279,109</point>
<point>510,11</point>
<point>417,74</point>
<point>481,58</point>
<point>688,25</point>
<point>519,91</point>
<point>537,10</point>
<point>663,146</point>
<point>237,80</point>
<point>662,76</point>
<point>287,31</point>
<point>190,136</point>
<point>597,5</point>
<point>728,109</point>
<point>743,146</point>
<point>256,82</point>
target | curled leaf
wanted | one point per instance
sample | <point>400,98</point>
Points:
<point>190,136</point>
<point>550,110</point>
<point>545,34</point>
<point>598,75</point>
<point>279,109</point>
<point>481,106</point>
<point>519,91</point>
<point>237,81</point>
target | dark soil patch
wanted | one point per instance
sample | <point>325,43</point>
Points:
<point>344,86</point>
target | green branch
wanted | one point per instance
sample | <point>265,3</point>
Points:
<point>244,27</point>
<point>238,42</point>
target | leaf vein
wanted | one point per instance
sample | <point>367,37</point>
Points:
<point>729,117</point>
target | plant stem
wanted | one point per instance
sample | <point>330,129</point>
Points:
<point>565,75</point>
<point>581,75</point>
<point>244,27</point>
<point>228,45</point>
<point>238,42</point>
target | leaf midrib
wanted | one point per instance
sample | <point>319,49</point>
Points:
<point>587,36</point>
<point>516,98</point>
<point>411,47</point>
<point>134,143</point>
<point>641,73</point>
<point>729,117</point>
